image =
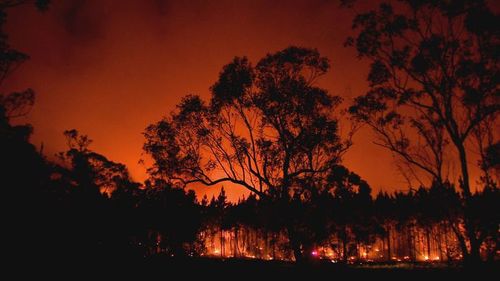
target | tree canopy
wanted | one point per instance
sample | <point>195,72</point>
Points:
<point>434,79</point>
<point>268,128</point>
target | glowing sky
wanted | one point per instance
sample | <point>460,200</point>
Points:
<point>110,68</point>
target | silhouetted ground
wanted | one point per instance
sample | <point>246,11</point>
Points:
<point>234,269</point>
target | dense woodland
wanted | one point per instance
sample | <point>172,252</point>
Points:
<point>269,128</point>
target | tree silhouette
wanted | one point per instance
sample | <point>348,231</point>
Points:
<point>173,220</point>
<point>351,211</point>
<point>25,173</point>
<point>267,128</point>
<point>384,214</point>
<point>88,178</point>
<point>434,71</point>
<point>272,130</point>
<point>92,170</point>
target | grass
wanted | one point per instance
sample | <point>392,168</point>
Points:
<point>234,269</point>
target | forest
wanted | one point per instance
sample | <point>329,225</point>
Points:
<point>268,127</point>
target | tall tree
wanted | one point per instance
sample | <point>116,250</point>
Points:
<point>434,71</point>
<point>265,128</point>
<point>268,128</point>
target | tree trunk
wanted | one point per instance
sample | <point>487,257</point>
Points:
<point>358,249</point>
<point>297,253</point>
<point>344,245</point>
<point>265,247</point>
<point>473,257</point>
<point>295,245</point>
<point>389,243</point>
<point>465,171</point>
<point>439,241</point>
<point>274,245</point>
<point>221,243</point>
<point>410,244</point>
<point>428,240</point>
<point>446,244</point>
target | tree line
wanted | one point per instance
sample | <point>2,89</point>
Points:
<point>270,128</point>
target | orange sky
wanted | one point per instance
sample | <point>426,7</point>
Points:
<point>110,68</point>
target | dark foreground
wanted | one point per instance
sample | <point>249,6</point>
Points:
<point>233,269</point>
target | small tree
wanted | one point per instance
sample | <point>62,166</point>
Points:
<point>89,170</point>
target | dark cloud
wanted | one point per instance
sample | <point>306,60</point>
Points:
<point>82,22</point>
<point>161,6</point>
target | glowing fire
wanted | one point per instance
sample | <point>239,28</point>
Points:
<point>226,245</point>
